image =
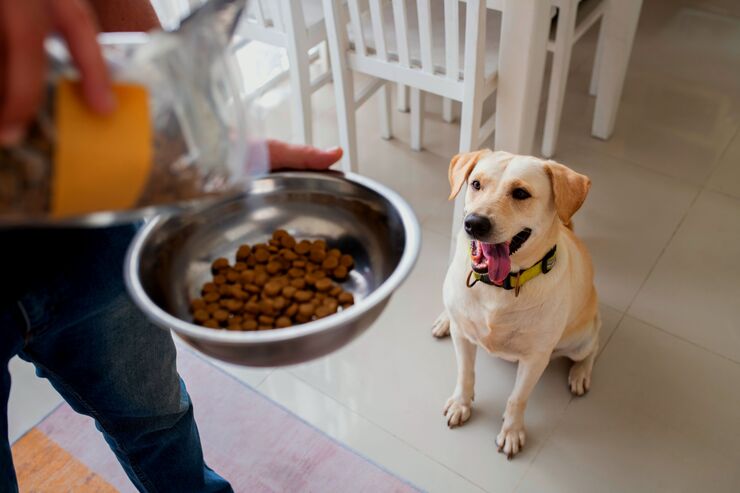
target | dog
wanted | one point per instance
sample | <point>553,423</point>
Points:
<point>520,284</point>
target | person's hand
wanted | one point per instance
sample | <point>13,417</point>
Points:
<point>24,24</point>
<point>284,155</point>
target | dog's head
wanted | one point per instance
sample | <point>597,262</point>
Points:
<point>511,201</point>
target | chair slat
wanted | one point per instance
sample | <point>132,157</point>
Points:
<point>401,25</point>
<point>452,39</point>
<point>376,15</point>
<point>424,11</point>
<point>356,23</point>
<point>259,13</point>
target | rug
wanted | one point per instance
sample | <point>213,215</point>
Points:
<point>270,450</point>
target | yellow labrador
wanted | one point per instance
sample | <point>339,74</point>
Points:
<point>520,284</point>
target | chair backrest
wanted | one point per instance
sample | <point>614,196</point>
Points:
<point>398,42</point>
<point>266,13</point>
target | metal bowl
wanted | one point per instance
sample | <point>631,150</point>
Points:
<point>170,258</point>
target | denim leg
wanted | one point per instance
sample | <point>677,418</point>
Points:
<point>11,340</point>
<point>119,369</point>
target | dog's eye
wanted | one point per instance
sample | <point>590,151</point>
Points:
<point>475,184</point>
<point>520,194</point>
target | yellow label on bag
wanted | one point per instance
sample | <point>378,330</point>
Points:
<point>101,162</point>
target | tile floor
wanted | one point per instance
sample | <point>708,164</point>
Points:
<point>663,224</point>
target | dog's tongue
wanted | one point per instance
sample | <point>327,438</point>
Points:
<point>499,263</point>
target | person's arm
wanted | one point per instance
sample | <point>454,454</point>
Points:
<point>125,15</point>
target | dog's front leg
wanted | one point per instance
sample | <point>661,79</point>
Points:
<point>457,408</point>
<point>511,439</point>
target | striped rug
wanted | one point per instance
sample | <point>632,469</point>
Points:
<point>254,443</point>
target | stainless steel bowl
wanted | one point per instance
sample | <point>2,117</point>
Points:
<point>170,258</point>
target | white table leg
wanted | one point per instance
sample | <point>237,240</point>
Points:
<point>618,29</point>
<point>524,31</point>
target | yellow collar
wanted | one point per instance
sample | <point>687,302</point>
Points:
<point>515,281</point>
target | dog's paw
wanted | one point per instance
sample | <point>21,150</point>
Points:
<point>457,411</point>
<point>511,440</point>
<point>579,378</point>
<point>441,327</point>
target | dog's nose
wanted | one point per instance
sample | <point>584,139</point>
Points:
<point>477,226</point>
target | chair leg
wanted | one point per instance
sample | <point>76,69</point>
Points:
<point>417,118</point>
<point>384,100</point>
<point>559,77</point>
<point>402,96</point>
<point>594,84</point>
<point>619,25</point>
<point>448,110</point>
<point>343,85</point>
<point>300,81</point>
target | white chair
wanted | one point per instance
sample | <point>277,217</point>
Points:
<point>298,27</point>
<point>574,19</point>
<point>416,43</point>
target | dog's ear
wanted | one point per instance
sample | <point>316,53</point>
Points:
<point>460,168</point>
<point>569,189</point>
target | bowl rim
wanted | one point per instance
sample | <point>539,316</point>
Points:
<point>160,317</point>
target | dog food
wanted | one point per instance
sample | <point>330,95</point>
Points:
<point>274,285</point>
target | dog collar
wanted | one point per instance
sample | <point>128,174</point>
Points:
<point>515,281</point>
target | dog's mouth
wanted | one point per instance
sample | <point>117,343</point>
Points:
<point>494,259</point>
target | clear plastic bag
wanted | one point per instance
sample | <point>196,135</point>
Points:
<point>202,146</point>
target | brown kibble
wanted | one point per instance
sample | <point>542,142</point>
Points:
<point>240,266</point>
<point>346,298</point>
<point>211,324</point>
<point>303,247</point>
<point>251,261</point>
<point>267,307</point>
<point>340,273</point>
<point>291,310</point>
<point>252,288</point>
<point>334,252</point>
<point>219,280</point>
<point>272,288</point>
<point>323,311</point>
<point>323,284</point>
<point>311,279</point>
<point>283,322</point>
<point>238,293</point>
<point>289,291</point>
<point>243,252</point>
<point>306,309</point>
<point>235,306</point>
<point>303,295</point>
<point>298,283</point>
<point>261,279</point>
<point>212,307</point>
<point>320,274</point>
<point>252,307</point>
<point>273,267</point>
<point>201,316</point>
<point>246,277</point>
<point>279,233</point>
<point>236,318</point>
<point>232,276</point>
<point>296,272</point>
<point>287,241</point>
<point>347,261</point>
<point>299,264</point>
<point>265,320</point>
<point>224,290</point>
<point>335,291</point>
<point>223,302</point>
<point>332,304</point>
<point>288,255</point>
<point>319,244</point>
<point>209,287</point>
<point>311,267</point>
<point>218,264</point>
<point>330,263</point>
<point>273,248</point>
<point>317,255</point>
<point>302,319</point>
<point>197,304</point>
<point>262,255</point>
<point>211,297</point>
<point>249,325</point>
<point>279,303</point>
<point>221,315</point>
<point>265,327</point>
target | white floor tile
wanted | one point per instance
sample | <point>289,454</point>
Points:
<point>726,177</point>
<point>31,398</point>
<point>694,289</point>
<point>659,417</point>
<point>370,440</point>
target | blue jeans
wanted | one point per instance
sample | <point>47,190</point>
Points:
<point>65,309</point>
